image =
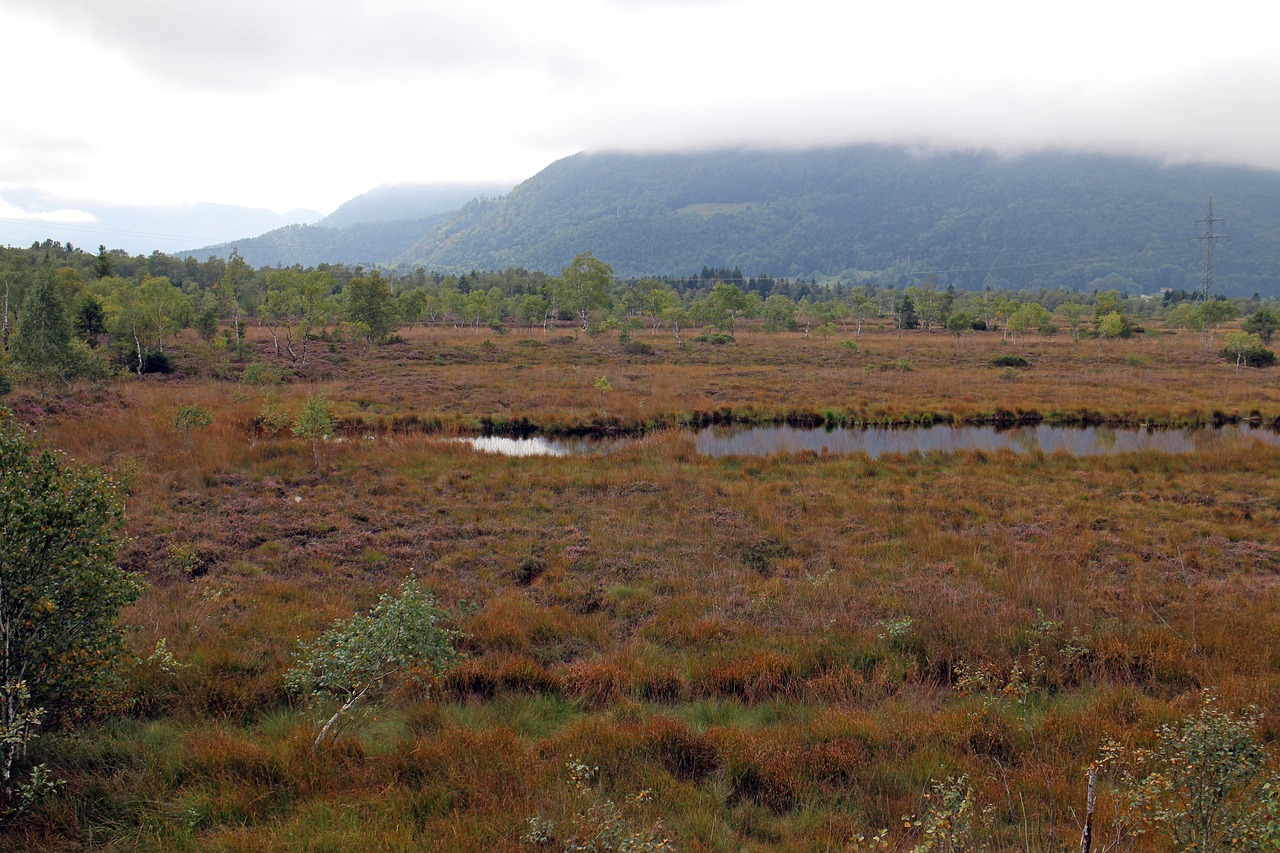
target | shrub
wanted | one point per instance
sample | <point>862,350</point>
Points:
<point>717,338</point>
<point>260,373</point>
<point>598,823</point>
<point>190,418</point>
<point>156,362</point>
<point>314,423</point>
<point>60,593</point>
<point>84,362</point>
<point>356,658</point>
<point>953,818</point>
<point>1207,785</point>
<point>1245,349</point>
<point>273,418</point>
<point>1010,361</point>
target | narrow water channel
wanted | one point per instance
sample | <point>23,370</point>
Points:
<point>877,441</point>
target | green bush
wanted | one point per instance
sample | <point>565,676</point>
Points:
<point>61,592</point>
<point>1207,784</point>
<point>191,418</point>
<point>1245,349</point>
<point>1010,361</point>
<point>260,373</point>
<point>354,661</point>
<point>156,362</point>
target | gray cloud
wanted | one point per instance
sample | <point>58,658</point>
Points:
<point>1229,114</point>
<point>393,90</point>
<point>250,44</point>
<point>29,154</point>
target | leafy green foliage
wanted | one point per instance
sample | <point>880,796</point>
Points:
<point>42,344</point>
<point>60,594</point>
<point>261,374</point>
<point>191,418</point>
<point>1113,325</point>
<point>314,423</point>
<point>583,287</point>
<point>1262,323</point>
<point>1245,348</point>
<point>1206,785</point>
<point>356,659</point>
<point>953,821</point>
<point>370,307</point>
<point>598,823</point>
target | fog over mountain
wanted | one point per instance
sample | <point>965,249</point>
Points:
<point>290,104</point>
<point>855,213</point>
<point>976,219</point>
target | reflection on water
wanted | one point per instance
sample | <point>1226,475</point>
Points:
<point>539,446</point>
<point>876,441</point>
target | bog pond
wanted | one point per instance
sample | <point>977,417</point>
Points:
<point>878,441</point>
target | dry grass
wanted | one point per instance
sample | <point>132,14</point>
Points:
<point>718,631</point>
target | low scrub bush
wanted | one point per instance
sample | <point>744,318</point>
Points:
<point>156,362</point>
<point>260,374</point>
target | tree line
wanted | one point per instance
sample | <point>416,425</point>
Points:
<point>70,313</point>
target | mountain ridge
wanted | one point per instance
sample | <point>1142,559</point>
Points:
<point>1058,219</point>
<point>855,213</point>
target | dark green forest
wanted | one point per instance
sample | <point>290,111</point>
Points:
<point>873,213</point>
<point>858,215</point>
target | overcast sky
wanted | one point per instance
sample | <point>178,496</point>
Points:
<point>290,104</point>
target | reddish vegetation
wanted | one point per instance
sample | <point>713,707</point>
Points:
<point>777,648</point>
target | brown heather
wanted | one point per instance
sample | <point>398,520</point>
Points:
<point>719,632</point>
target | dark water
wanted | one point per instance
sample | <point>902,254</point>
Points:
<point>876,441</point>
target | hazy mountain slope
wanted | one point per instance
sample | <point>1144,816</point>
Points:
<point>367,243</point>
<point>373,228</point>
<point>27,217</point>
<point>1053,218</point>
<point>408,201</point>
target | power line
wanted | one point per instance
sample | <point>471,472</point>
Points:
<point>1207,237</point>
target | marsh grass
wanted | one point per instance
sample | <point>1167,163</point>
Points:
<point>712,630</point>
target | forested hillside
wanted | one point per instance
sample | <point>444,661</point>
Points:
<point>373,228</point>
<point>408,201</point>
<point>369,243</point>
<point>974,219</point>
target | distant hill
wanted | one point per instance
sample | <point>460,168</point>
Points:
<point>374,228</point>
<point>368,243</point>
<point>28,216</point>
<point>408,201</point>
<point>975,219</point>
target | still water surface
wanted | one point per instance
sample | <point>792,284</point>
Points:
<point>877,441</point>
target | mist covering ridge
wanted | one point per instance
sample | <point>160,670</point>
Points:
<point>974,218</point>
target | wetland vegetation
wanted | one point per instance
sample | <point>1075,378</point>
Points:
<point>658,646</point>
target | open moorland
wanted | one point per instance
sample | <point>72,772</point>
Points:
<point>781,652</point>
